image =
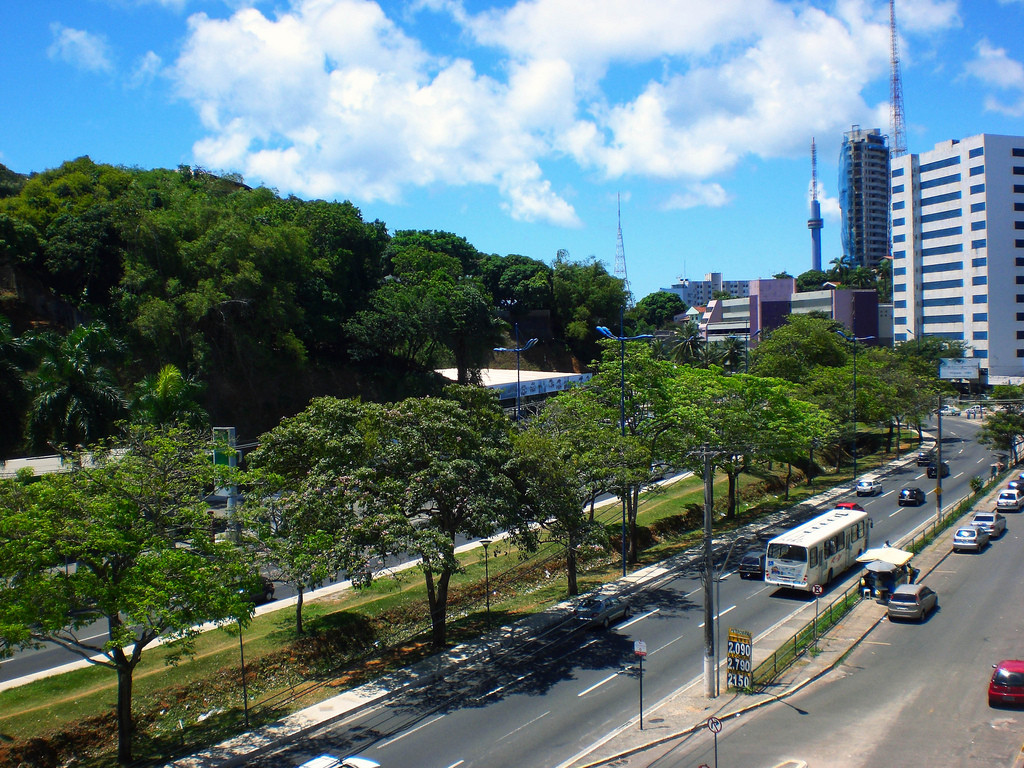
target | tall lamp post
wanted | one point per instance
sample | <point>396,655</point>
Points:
<point>485,543</point>
<point>854,339</point>
<point>517,349</point>
<point>622,339</point>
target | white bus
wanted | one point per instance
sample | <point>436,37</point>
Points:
<point>818,550</point>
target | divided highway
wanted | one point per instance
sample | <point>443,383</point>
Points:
<point>548,702</point>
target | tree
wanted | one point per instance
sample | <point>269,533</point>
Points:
<point>792,350</point>
<point>304,526</point>
<point>686,342</point>
<point>166,398</point>
<point>658,310</point>
<point>75,398</point>
<point>811,280</point>
<point>14,396</point>
<point>585,296</point>
<point>1001,430</point>
<point>438,470</point>
<point>126,540</point>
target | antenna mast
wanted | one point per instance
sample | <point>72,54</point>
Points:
<point>620,258</point>
<point>897,121</point>
<point>815,223</point>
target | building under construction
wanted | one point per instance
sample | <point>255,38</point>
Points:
<point>864,196</point>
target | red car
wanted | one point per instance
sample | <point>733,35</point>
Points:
<point>849,505</point>
<point>1007,683</point>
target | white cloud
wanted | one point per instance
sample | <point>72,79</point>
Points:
<point>696,195</point>
<point>79,48</point>
<point>993,67</point>
<point>333,97</point>
<point>146,68</point>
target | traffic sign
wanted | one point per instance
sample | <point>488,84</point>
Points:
<point>817,590</point>
<point>640,648</point>
<point>714,725</point>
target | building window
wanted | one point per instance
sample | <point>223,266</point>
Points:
<point>954,213</point>
<point>897,189</point>
<point>1018,243</point>
<point>897,172</point>
<point>931,319</point>
<point>1019,279</point>
<point>945,301</point>
<point>1020,334</point>
<point>979,298</point>
<point>977,170</point>
<point>949,266</point>
<point>899,288</point>
<point>1019,261</point>
<point>981,261</point>
<point>980,317</point>
<point>899,238</point>
<point>942,249</point>
<point>900,304</point>
<point>1018,170</point>
<point>1020,317</point>
<point>899,254</point>
<point>976,152</point>
<point>977,226</point>
<point>979,280</point>
<point>934,166</point>
<point>941,198</point>
<point>900,204</point>
<point>977,189</point>
<point>976,207</point>
<point>975,244</point>
<point>947,232</point>
<point>1018,189</point>
<point>938,285</point>
<point>981,353</point>
<point>1018,206</point>
<point>899,222</point>
<point>900,320</point>
<point>939,182</point>
<point>1017,152</point>
<point>1020,298</point>
<point>899,270</point>
<point>980,335</point>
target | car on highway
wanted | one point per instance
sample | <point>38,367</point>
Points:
<point>752,564</point>
<point>925,457</point>
<point>601,611</point>
<point>950,410</point>
<point>993,523</point>
<point>1010,499</point>
<point>869,487</point>
<point>329,761</point>
<point>910,496</point>
<point>969,538</point>
<point>1006,685</point>
<point>933,469</point>
<point>849,505</point>
<point>912,601</point>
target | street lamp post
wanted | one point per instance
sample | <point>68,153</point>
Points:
<point>622,339</point>
<point>854,339</point>
<point>485,543</point>
<point>517,349</point>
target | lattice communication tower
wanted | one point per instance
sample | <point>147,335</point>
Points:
<point>620,258</point>
<point>897,120</point>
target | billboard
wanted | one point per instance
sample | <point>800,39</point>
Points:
<point>967,368</point>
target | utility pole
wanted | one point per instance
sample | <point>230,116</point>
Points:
<point>709,606</point>
<point>938,462</point>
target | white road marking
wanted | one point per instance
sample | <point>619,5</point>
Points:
<point>666,645</point>
<point>719,615</point>
<point>898,510</point>
<point>409,733</point>
<point>765,588</point>
<point>524,725</point>
<point>641,617</point>
<point>597,685</point>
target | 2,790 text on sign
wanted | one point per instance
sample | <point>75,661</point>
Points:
<point>739,659</point>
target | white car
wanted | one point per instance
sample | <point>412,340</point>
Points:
<point>1010,499</point>
<point>949,410</point>
<point>869,488</point>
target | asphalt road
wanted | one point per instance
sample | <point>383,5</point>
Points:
<point>544,704</point>
<point>910,695</point>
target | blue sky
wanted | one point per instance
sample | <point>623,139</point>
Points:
<point>516,124</point>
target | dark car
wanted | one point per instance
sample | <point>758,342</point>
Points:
<point>911,497</point>
<point>752,565</point>
<point>925,457</point>
<point>601,611</point>
<point>1007,683</point>
<point>933,469</point>
<point>258,590</point>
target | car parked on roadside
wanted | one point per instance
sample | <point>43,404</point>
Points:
<point>993,523</point>
<point>1010,499</point>
<point>912,601</point>
<point>911,496</point>
<point>969,538</point>
<point>752,565</point>
<point>933,469</point>
<point>601,611</point>
<point>1006,686</point>
<point>869,487</point>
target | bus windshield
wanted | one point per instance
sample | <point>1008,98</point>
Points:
<point>791,552</point>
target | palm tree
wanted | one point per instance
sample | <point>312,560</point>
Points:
<point>13,391</point>
<point>166,398</point>
<point>75,398</point>
<point>686,342</point>
<point>734,354</point>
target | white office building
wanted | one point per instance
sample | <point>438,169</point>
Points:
<point>958,249</point>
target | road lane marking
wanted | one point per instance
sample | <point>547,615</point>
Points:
<point>501,688</point>
<point>898,510</point>
<point>524,725</point>
<point>691,594</point>
<point>597,685</point>
<point>409,733</point>
<point>666,645</point>
<point>641,617</point>
<point>886,494</point>
<point>765,588</point>
<point>456,765</point>
<point>719,615</point>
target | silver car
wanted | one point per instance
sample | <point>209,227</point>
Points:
<point>970,538</point>
<point>992,522</point>
<point>601,611</point>
<point>912,601</point>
